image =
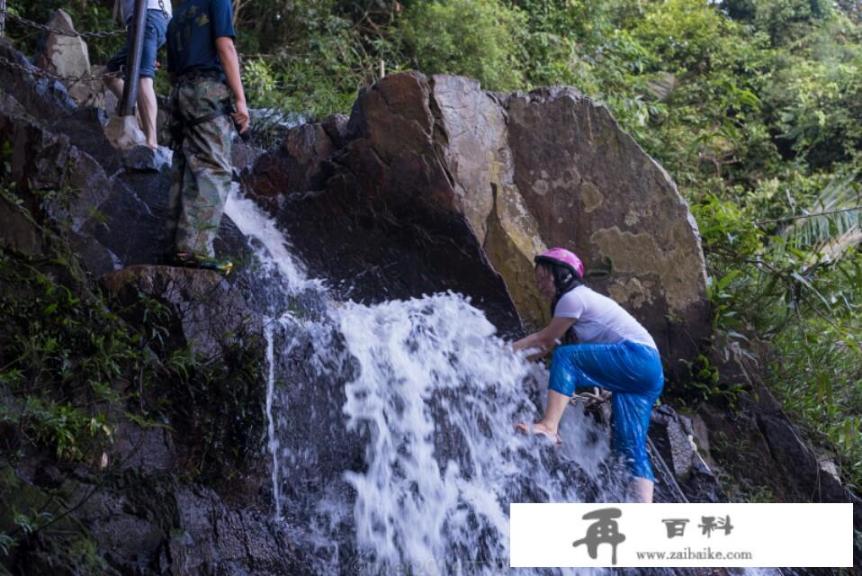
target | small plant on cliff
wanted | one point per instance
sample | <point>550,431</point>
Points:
<point>208,402</point>
<point>59,357</point>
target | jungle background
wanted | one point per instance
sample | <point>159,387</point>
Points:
<point>753,106</point>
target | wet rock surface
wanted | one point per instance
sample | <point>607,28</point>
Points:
<point>687,472</point>
<point>212,314</point>
<point>153,524</point>
<point>375,215</point>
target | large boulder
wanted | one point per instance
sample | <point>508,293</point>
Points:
<point>591,188</point>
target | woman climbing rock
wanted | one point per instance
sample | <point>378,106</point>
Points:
<point>603,346</point>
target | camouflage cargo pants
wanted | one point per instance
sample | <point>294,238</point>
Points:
<point>201,166</point>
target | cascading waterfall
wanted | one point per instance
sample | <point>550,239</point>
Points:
<point>438,393</point>
<point>441,393</point>
<point>435,396</point>
<point>268,243</point>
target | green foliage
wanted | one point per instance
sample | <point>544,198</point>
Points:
<point>209,404</point>
<point>685,34</point>
<point>819,372</point>
<point>834,220</point>
<point>815,93</point>
<point>783,19</point>
<point>705,384</point>
<point>798,289</point>
<point>72,364</point>
<point>37,533</point>
<point>727,228</point>
<point>319,74</point>
<point>69,430</point>
<point>325,73</point>
<point>739,480</point>
<point>477,38</point>
<point>61,354</point>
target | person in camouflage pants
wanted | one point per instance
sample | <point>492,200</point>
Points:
<point>202,165</point>
<point>207,100</point>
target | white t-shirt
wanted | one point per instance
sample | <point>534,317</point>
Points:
<point>129,8</point>
<point>600,320</point>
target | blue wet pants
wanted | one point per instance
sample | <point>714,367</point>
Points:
<point>633,372</point>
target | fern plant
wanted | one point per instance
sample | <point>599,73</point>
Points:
<point>831,226</point>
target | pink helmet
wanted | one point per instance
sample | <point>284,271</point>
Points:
<point>562,257</point>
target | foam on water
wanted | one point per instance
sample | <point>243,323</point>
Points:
<point>440,393</point>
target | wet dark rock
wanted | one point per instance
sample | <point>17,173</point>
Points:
<point>316,445</point>
<point>154,525</point>
<point>672,435</point>
<point>138,448</point>
<point>761,451</point>
<point>76,181</point>
<point>336,128</point>
<point>145,159</point>
<point>212,314</point>
<point>244,155</point>
<point>388,186</point>
<point>19,233</point>
<point>798,461</point>
<point>45,98</point>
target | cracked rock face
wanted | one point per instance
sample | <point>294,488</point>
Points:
<point>435,169</point>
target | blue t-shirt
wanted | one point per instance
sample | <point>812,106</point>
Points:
<point>192,33</point>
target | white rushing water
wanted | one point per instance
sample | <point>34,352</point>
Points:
<point>273,443</point>
<point>269,244</point>
<point>441,393</point>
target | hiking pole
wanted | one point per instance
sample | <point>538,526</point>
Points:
<point>133,62</point>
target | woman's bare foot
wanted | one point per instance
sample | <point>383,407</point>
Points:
<point>539,428</point>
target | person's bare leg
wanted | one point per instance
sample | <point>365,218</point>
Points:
<point>641,490</point>
<point>550,422</point>
<point>148,109</point>
<point>115,84</point>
